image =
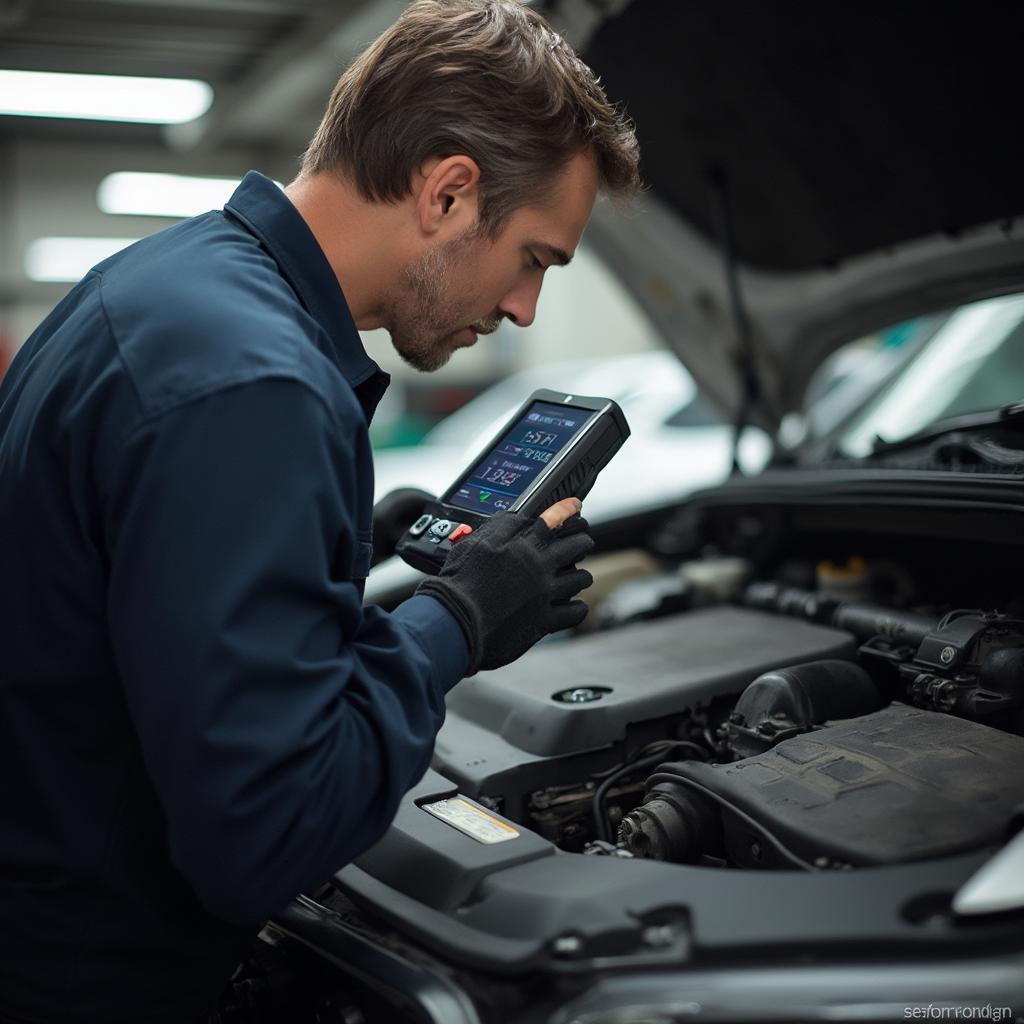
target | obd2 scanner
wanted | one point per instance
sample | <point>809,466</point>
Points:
<point>553,447</point>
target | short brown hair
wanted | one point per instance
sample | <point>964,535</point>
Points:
<point>486,78</point>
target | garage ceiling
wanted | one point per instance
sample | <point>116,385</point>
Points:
<point>214,39</point>
<point>271,62</point>
<point>272,65</point>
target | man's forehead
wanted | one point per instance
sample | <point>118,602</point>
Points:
<point>555,230</point>
<point>573,202</point>
<point>555,224</point>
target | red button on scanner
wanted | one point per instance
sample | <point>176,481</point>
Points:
<point>460,531</point>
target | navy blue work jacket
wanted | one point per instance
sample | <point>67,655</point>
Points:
<point>198,716</point>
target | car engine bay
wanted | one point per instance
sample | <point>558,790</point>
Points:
<point>789,730</point>
<point>780,740</point>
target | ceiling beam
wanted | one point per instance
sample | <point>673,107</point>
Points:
<point>274,101</point>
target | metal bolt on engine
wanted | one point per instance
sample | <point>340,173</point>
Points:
<point>581,695</point>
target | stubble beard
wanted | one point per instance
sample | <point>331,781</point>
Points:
<point>425,316</point>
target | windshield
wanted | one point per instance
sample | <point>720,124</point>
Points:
<point>967,360</point>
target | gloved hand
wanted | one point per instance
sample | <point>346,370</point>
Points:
<point>392,516</point>
<point>510,582</point>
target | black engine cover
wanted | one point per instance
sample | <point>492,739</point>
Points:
<point>507,734</point>
<point>898,785</point>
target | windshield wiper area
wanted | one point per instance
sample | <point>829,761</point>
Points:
<point>990,439</point>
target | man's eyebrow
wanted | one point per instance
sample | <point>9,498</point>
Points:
<point>559,256</point>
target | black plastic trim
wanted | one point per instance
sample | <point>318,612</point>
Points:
<point>324,932</point>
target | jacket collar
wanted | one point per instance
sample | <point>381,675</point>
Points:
<point>266,211</point>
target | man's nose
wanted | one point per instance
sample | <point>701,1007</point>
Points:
<point>520,304</point>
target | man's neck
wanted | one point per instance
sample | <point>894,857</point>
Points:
<point>359,238</point>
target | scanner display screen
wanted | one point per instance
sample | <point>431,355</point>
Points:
<point>516,461</point>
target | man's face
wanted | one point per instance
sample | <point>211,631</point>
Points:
<point>464,287</point>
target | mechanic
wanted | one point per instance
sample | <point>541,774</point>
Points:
<point>199,718</point>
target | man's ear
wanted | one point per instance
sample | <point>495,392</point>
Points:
<point>448,201</point>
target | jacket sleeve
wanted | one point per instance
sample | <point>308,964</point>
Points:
<point>279,720</point>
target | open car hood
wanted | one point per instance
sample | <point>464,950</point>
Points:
<point>866,158</point>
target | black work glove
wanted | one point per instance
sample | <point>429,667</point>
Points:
<point>510,582</point>
<point>393,515</point>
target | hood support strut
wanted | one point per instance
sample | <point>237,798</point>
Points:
<point>750,384</point>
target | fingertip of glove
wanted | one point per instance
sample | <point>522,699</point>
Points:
<point>579,611</point>
<point>575,547</point>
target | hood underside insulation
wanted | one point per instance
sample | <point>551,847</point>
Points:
<point>839,129</point>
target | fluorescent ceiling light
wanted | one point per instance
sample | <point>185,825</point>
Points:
<point>69,259</point>
<point>162,195</point>
<point>103,97</point>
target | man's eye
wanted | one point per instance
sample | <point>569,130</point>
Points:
<point>534,262</point>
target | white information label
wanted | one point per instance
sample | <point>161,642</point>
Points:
<point>472,820</point>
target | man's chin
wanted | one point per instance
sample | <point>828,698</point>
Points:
<point>426,358</point>
<point>429,356</point>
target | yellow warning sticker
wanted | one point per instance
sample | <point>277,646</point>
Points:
<point>472,820</point>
